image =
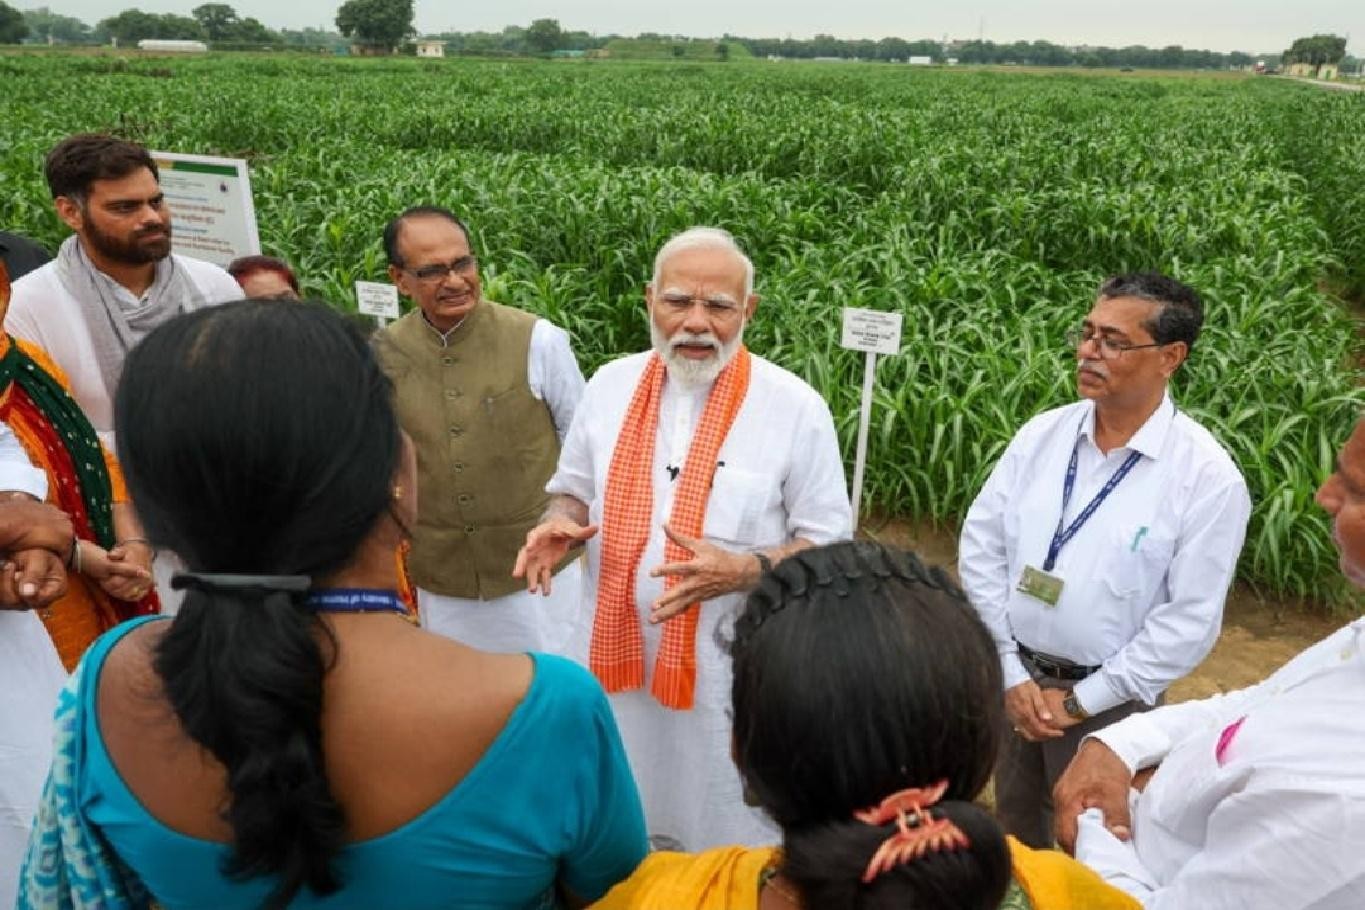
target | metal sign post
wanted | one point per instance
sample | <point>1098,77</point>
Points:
<point>873,332</point>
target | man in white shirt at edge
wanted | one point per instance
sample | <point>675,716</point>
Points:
<point>31,673</point>
<point>112,282</point>
<point>1258,796</point>
<point>767,483</point>
<point>487,393</point>
<point>1100,600</point>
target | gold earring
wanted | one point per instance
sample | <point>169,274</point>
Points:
<point>398,491</point>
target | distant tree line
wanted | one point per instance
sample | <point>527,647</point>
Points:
<point>1022,53</point>
<point>388,23</point>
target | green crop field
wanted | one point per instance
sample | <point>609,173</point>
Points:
<point>985,206</point>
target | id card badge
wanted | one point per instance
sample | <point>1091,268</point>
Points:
<point>1041,585</point>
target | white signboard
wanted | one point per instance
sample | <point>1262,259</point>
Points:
<point>377,299</point>
<point>212,213</point>
<point>872,331</point>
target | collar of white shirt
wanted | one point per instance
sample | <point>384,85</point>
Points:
<point>1150,439</point>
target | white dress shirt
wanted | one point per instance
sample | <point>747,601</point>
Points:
<point>31,675</point>
<point>41,311</point>
<point>780,477</point>
<point>1259,801</point>
<point>1144,579</point>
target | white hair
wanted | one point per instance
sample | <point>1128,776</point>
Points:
<point>698,237</point>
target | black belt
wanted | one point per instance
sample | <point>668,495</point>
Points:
<point>1055,667</point>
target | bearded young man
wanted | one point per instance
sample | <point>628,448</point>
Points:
<point>116,279</point>
<point>701,464</point>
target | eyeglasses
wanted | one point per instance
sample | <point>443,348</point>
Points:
<point>438,271</point>
<point>1110,348</point>
<point>718,307</point>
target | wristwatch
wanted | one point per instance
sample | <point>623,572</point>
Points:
<point>1072,706</point>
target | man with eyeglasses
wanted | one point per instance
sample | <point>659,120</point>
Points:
<point>486,392</point>
<point>1101,548</point>
<point>702,465</point>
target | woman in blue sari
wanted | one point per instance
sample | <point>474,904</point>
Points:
<point>289,739</point>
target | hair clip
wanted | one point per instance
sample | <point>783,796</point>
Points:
<point>209,581</point>
<point>917,831</point>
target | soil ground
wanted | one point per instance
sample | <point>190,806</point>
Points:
<point>1258,635</point>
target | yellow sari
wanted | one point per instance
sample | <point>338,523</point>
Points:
<point>727,878</point>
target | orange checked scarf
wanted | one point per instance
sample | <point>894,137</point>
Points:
<point>617,653</point>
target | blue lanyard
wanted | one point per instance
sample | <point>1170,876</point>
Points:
<point>356,600</point>
<point>1061,538</point>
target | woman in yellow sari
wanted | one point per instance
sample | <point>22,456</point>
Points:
<point>867,717</point>
<point>109,571</point>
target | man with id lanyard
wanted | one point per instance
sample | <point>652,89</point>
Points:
<point>1101,548</point>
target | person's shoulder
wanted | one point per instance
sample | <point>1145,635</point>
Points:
<point>38,282</point>
<point>785,383</point>
<point>1211,455</point>
<point>1044,423</point>
<point>666,880</point>
<point>570,685</point>
<point>212,279</point>
<point>1054,881</point>
<point>622,369</point>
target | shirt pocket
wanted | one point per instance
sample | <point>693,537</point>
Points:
<point>1138,559</point>
<point>736,506</point>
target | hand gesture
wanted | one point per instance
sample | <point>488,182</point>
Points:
<point>124,572</point>
<point>1030,713</point>
<point>710,573</point>
<point>1096,779</point>
<point>546,545</point>
<point>31,578</point>
<point>26,524</point>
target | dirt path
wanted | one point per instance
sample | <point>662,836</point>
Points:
<point>1339,86</point>
<point>1258,635</point>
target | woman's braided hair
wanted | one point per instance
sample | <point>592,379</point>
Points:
<point>861,671</point>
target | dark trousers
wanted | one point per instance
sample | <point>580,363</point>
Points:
<point>1026,772</point>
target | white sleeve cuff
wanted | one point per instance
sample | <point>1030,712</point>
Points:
<point>1137,741</point>
<point>1114,860</point>
<point>19,477</point>
<point>1013,670</point>
<point>1096,695</point>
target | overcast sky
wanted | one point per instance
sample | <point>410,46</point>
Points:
<point>1256,26</point>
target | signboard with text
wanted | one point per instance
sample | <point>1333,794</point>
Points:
<point>871,330</point>
<point>375,298</point>
<point>213,216</point>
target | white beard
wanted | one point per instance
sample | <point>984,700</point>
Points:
<point>694,373</point>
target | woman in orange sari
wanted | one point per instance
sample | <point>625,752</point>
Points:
<point>109,572</point>
<point>867,716</point>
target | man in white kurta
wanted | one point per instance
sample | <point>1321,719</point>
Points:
<point>31,676</point>
<point>1258,799</point>
<point>778,485</point>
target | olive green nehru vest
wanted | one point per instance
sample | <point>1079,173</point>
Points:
<point>486,446</point>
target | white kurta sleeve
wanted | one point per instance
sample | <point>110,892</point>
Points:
<point>983,563</point>
<point>1276,843</point>
<point>815,492</point>
<point>17,473</point>
<point>1180,632</point>
<point>574,475</point>
<point>1145,739</point>
<point>552,373</point>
